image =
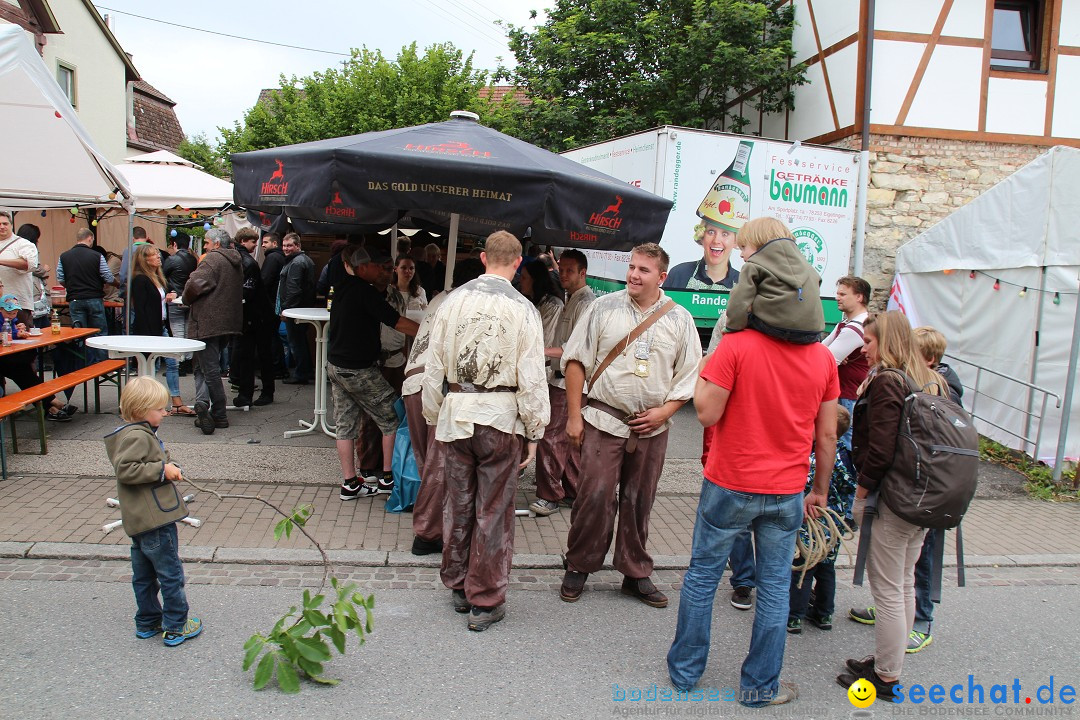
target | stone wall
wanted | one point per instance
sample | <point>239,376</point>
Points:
<point>916,182</point>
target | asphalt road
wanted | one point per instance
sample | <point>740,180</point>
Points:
<point>70,652</point>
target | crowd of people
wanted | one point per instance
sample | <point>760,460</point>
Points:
<point>520,362</point>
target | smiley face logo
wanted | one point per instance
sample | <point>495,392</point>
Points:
<point>862,693</point>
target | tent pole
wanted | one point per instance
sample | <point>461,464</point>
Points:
<point>1070,386</point>
<point>394,243</point>
<point>451,251</point>
<point>1033,379</point>
<point>131,260</point>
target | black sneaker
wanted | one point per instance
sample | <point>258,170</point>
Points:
<point>356,489</point>
<point>884,689</point>
<point>821,622</point>
<point>263,399</point>
<point>461,603</point>
<point>741,598</point>
<point>794,625</point>
<point>241,401</point>
<point>420,546</point>
<point>385,484</point>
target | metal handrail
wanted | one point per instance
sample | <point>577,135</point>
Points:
<point>976,394</point>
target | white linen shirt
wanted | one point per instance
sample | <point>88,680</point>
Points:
<point>568,320</point>
<point>674,352</point>
<point>421,347</point>
<point>19,283</point>
<point>489,334</point>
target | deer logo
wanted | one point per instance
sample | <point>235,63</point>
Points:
<point>279,174</point>
<point>337,199</point>
<point>613,209</point>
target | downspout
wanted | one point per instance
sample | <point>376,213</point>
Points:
<point>864,155</point>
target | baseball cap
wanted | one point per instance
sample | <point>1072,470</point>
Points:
<point>10,303</point>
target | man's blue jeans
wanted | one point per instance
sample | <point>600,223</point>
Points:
<point>723,514</point>
<point>155,565</point>
<point>90,314</point>
<point>924,568</point>
<point>742,560</point>
<point>846,437</point>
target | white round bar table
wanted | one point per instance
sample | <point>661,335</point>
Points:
<point>144,348</point>
<point>320,318</point>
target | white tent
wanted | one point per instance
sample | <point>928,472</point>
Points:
<point>999,277</point>
<point>162,181</point>
<point>49,160</point>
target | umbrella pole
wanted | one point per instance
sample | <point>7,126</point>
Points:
<point>451,251</point>
<point>131,262</point>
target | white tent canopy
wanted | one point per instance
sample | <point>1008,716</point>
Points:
<point>1022,235</point>
<point>49,159</point>
<point>162,181</point>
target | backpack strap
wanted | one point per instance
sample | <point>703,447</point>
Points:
<point>937,552</point>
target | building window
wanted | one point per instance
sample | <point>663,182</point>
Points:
<point>65,77</point>
<point>1016,41</point>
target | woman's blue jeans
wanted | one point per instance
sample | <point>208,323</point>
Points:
<point>156,566</point>
<point>722,515</point>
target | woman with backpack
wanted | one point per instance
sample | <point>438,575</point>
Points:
<point>889,345</point>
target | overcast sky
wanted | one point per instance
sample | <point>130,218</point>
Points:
<point>214,79</point>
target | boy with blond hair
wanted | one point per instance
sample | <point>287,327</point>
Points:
<point>150,506</point>
<point>778,292</point>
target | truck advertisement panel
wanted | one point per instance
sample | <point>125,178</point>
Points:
<point>718,181</point>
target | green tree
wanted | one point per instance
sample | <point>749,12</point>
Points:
<point>369,93</point>
<point>197,149</point>
<point>598,69</point>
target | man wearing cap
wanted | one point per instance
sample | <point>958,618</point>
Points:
<point>558,461</point>
<point>18,259</point>
<point>84,273</point>
<point>487,342</point>
<point>352,364</point>
<point>214,292</point>
<point>639,353</point>
<point>713,271</point>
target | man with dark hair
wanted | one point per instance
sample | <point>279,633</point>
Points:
<point>138,235</point>
<point>845,342</point>
<point>632,395</point>
<point>253,344</point>
<point>487,342</point>
<point>177,269</point>
<point>558,461</point>
<point>273,261</point>
<point>353,348</point>
<point>84,272</point>
<point>296,288</point>
<point>214,291</point>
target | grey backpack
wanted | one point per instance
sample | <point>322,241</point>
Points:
<point>935,469</point>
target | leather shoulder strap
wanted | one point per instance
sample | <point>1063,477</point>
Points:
<point>634,335</point>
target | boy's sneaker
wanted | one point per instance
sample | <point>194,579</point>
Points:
<point>917,641</point>
<point>356,489</point>
<point>866,616</point>
<point>741,598</point>
<point>794,625</point>
<point>145,634</point>
<point>821,622</point>
<point>191,628</point>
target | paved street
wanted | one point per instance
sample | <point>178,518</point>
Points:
<point>66,605</point>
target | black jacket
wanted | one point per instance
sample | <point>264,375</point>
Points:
<point>177,268</point>
<point>146,307</point>
<point>271,272</point>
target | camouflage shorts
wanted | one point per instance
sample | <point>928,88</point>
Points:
<point>361,390</point>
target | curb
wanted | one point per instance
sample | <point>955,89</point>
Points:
<point>402,559</point>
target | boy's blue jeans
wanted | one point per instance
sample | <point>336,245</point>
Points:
<point>155,565</point>
<point>723,514</point>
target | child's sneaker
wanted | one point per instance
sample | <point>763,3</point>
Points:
<point>385,484</point>
<point>152,632</point>
<point>918,641</point>
<point>866,616</point>
<point>822,622</point>
<point>191,628</point>
<point>794,625</point>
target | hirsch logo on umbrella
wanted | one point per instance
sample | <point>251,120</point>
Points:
<point>337,208</point>
<point>271,189</point>
<point>450,148</point>
<point>608,217</point>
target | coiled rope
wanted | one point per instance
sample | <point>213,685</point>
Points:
<point>826,532</point>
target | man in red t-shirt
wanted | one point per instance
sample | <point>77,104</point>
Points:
<point>766,403</point>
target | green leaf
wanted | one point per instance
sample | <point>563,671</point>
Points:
<point>286,677</point>
<point>312,603</point>
<point>252,651</point>
<point>338,638</point>
<point>323,679</point>
<point>300,629</point>
<point>314,618</point>
<point>280,528</point>
<point>264,671</point>
<point>312,649</point>
<point>309,667</point>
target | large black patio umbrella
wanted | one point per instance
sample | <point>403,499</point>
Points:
<point>458,174</point>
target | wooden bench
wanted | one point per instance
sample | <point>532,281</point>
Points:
<point>106,371</point>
